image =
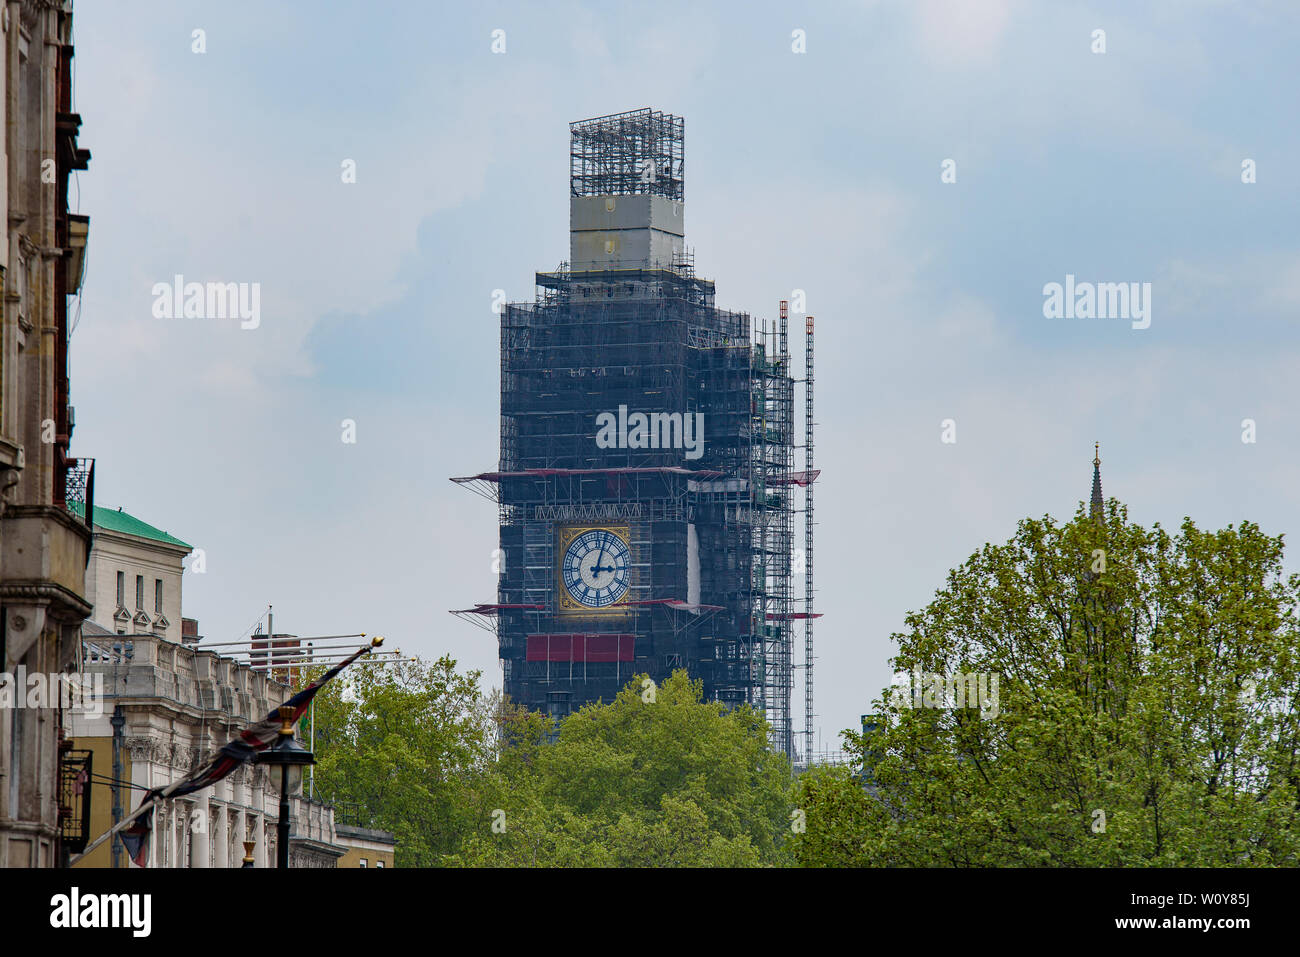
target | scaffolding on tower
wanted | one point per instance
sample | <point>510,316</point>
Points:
<point>809,615</point>
<point>766,648</point>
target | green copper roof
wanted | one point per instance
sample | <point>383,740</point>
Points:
<point>116,520</point>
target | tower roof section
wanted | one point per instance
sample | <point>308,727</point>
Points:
<point>637,153</point>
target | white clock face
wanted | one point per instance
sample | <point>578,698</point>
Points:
<point>596,568</point>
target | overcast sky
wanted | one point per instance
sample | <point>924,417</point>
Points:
<point>818,171</point>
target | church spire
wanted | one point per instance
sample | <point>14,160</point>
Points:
<point>1098,509</point>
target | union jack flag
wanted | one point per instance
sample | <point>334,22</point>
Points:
<point>136,838</point>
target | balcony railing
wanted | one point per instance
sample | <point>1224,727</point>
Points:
<point>75,769</point>
<point>81,490</point>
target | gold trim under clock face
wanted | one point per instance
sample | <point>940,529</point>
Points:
<point>566,602</point>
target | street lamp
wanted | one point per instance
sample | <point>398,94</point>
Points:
<point>290,757</point>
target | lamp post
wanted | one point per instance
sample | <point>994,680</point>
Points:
<point>118,723</point>
<point>290,757</point>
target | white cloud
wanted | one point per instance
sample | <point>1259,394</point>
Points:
<point>961,32</point>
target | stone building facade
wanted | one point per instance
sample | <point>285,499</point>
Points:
<point>176,705</point>
<point>133,579</point>
<point>43,547</point>
<point>366,847</point>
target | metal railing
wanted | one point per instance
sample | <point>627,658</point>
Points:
<point>81,489</point>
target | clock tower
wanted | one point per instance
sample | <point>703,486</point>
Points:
<point>646,482</point>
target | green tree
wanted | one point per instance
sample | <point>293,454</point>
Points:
<point>837,816</point>
<point>1146,710</point>
<point>405,744</point>
<point>644,781</point>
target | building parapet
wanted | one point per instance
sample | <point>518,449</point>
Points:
<point>154,667</point>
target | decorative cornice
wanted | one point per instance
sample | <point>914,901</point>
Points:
<point>52,512</point>
<point>145,748</point>
<point>42,592</point>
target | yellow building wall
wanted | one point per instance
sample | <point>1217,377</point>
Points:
<point>101,798</point>
<point>353,857</point>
